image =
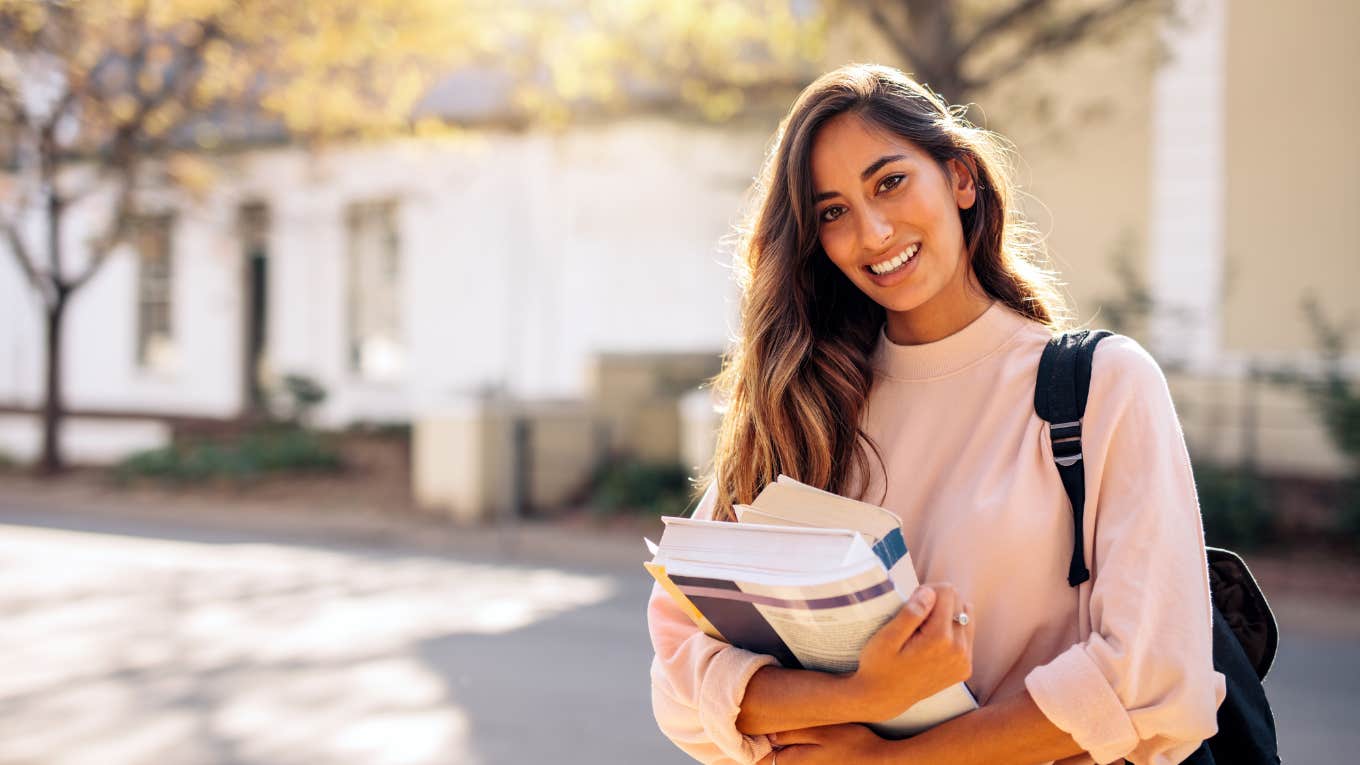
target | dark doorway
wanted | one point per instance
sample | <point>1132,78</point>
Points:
<point>254,222</point>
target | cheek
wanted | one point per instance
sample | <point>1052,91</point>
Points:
<point>838,246</point>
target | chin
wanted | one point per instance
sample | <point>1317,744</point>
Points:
<point>898,300</point>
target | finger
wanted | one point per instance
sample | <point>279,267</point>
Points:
<point>939,623</point>
<point>910,617</point>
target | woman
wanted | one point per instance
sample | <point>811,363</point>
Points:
<point>893,321</point>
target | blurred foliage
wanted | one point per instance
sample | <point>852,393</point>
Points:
<point>400,431</point>
<point>1335,396</point>
<point>259,452</point>
<point>715,56</point>
<point>304,394</point>
<point>1333,393</point>
<point>631,486</point>
<point>1235,504</point>
<point>150,67</point>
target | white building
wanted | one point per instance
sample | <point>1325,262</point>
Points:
<point>399,275</point>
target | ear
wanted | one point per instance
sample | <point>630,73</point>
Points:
<point>962,173</point>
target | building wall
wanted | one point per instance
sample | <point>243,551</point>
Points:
<point>1293,171</point>
<point>521,255</point>
<point>99,351</point>
<point>1084,168</point>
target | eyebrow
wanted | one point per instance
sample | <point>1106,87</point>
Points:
<point>873,167</point>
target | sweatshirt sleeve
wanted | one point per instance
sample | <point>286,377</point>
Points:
<point>1142,685</point>
<point>698,682</point>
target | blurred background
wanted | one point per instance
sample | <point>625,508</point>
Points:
<point>347,348</point>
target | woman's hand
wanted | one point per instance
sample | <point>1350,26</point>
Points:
<point>830,744</point>
<point>920,652</point>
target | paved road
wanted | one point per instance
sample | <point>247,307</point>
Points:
<point>131,638</point>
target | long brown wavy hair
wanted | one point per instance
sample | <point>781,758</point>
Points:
<point>795,383</point>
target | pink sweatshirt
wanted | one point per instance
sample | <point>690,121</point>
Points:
<point>1123,663</point>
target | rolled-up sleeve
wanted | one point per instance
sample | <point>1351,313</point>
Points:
<point>698,682</point>
<point>1141,686</point>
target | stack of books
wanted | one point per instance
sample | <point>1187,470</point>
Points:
<point>805,576</point>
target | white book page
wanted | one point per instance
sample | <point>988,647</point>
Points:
<point>793,501</point>
<point>761,547</point>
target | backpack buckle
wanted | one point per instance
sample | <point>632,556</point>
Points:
<point>1066,438</point>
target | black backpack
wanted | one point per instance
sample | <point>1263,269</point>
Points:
<point>1245,633</point>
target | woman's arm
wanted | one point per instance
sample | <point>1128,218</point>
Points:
<point>697,685</point>
<point>1012,732</point>
<point>1141,685</point>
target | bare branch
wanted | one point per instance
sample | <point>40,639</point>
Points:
<point>1058,39</point>
<point>1002,21</point>
<point>13,104</point>
<point>25,261</point>
<point>894,29</point>
<point>102,246</point>
<point>59,109</point>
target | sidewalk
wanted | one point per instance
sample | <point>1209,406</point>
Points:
<point>176,608</point>
<point>615,547</point>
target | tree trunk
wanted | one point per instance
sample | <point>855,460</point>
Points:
<point>53,409</point>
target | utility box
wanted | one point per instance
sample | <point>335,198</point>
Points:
<point>462,460</point>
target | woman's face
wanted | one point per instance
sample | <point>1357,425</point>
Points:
<point>889,216</point>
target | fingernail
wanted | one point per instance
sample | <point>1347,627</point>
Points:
<point>922,599</point>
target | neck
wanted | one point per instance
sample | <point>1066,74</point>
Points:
<point>944,314</point>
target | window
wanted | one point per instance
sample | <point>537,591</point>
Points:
<point>155,292</point>
<point>376,348</point>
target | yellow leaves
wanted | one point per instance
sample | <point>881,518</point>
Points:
<point>149,82</point>
<point>358,68</point>
<point>190,172</point>
<point>216,54</point>
<point>32,17</point>
<point>189,33</point>
<point>123,108</point>
<point>715,103</point>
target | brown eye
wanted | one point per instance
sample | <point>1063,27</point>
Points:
<point>832,213</point>
<point>891,182</point>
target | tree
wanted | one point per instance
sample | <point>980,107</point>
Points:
<point>725,57</point>
<point>102,99</point>
<point>962,49</point>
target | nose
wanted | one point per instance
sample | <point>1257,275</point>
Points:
<point>876,230</point>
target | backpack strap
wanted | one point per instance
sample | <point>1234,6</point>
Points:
<point>1060,393</point>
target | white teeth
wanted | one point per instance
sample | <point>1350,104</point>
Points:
<point>889,266</point>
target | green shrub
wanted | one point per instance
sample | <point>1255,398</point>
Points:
<point>258,452</point>
<point>633,486</point>
<point>1235,504</point>
<point>299,396</point>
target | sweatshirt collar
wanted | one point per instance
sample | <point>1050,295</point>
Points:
<point>946,356</point>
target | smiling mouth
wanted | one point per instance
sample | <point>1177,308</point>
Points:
<point>885,267</point>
